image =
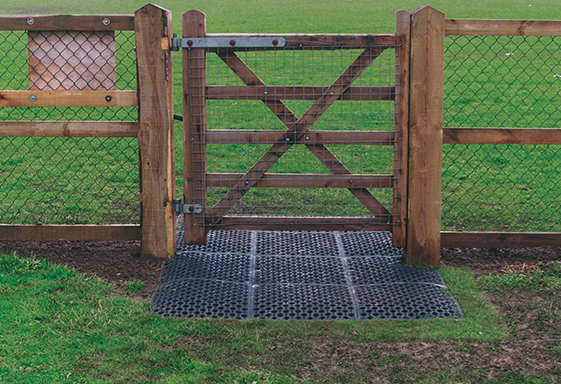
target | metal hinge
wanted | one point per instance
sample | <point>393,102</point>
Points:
<point>226,42</point>
<point>180,207</point>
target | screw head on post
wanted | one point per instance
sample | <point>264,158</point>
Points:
<point>32,97</point>
<point>106,21</point>
<point>30,21</point>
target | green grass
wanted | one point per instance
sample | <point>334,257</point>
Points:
<point>546,279</point>
<point>92,336</point>
<point>504,188</point>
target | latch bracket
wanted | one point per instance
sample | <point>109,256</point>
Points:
<point>180,207</point>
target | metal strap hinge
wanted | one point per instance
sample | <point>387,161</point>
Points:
<point>180,207</point>
<point>226,42</point>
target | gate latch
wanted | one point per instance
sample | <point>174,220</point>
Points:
<point>226,42</point>
<point>180,207</point>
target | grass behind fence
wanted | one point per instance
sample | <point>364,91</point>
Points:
<point>484,187</point>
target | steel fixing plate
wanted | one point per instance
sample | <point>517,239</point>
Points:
<point>296,275</point>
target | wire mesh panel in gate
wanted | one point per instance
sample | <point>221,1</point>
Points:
<point>298,133</point>
<point>68,180</point>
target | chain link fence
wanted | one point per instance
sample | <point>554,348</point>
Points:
<point>502,82</point>
<point>66,180</point>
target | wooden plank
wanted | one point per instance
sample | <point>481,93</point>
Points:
<point>401,142</point>
<point>425,137</point>
<point>263,92</point>
<point>314,41</point>
<point>301,223</point>
<point>240,136</point>
<point>156,134</point>
<point>69,99</point>
<point>545,136</point>
<point>300,127</point>
<point>500,239</point>
<point>71,60</point>
<point>113,232</point>
<point>194,127</point>
<point>67,22</point>
<point>303,180</point>
<point>503,27</point>
<point>68,129</point>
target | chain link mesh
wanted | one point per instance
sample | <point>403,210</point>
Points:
<point>503,82</point>
<point>68,180</point>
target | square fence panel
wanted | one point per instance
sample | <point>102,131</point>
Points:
<point>502,82</point>
<point>68,180</point>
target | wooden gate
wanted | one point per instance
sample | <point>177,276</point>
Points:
<point>232,146</point>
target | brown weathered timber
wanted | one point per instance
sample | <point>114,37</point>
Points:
<point>67,22</point>
<point>303,180</point>
<point>314,41</point>
<point>114,232</point>
<point>503,27</point>
<point>401,141</point>
<point>500,239</point>
<point>194,126</point>
<point>425,137</point>
<point>155,132</point>
<point>263,92</point>
<point>68,129</point>
<point>68,99</point>
<point>304,223</point>
<point>239,136</point>
<point>544,136</point>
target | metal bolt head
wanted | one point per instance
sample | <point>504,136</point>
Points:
<point>265,93</point>
<point>190,43</point>
<point>247,182</point>
<point>275,42</point>
<point>106,21</point>
<point>232,42</point>
<point>30,21</point>
<point>108,98</point>
<point>32,97</point>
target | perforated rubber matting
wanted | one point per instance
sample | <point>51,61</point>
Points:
<point>299,276</point>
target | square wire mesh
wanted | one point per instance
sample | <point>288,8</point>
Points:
<point>502,82</point>
<point>68,180</point>
<point>254,96</point>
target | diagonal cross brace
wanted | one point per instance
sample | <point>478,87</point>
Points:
<point>298,127</point>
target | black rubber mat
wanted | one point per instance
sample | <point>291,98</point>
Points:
<point>299,276</point>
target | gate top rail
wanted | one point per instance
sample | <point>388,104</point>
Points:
<point>313,41</point>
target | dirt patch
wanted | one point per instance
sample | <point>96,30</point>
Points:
<point>491,261</point>
<point>114,261</point>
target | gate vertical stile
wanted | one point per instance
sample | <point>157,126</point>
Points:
<point>401,137</point>
<point>194,128</point>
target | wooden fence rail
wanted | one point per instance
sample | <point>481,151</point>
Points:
<point>418,134</point>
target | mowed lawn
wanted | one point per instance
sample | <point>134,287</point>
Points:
<point>489,82</point>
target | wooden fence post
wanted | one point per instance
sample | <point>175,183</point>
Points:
<point>155,137</point>
<point>425,136</point>
<point>401,146</point>
<point>194,126</point>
